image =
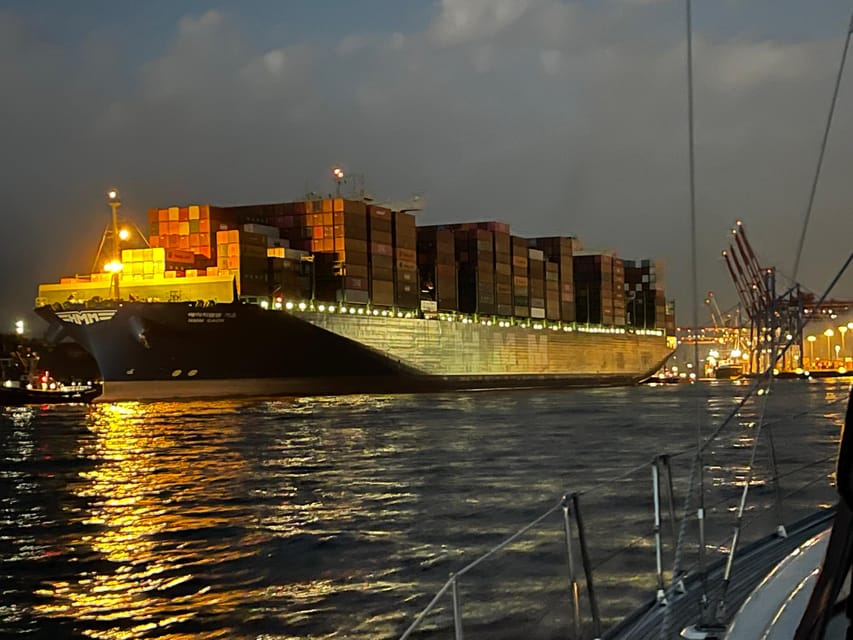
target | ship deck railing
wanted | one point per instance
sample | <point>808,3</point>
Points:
<point>633,568</point>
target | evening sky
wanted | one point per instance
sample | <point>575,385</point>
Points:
<point>558,117</point>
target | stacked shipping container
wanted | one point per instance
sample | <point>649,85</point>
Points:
<point>362,253</point>
<point>503,270</point>
<point>405,242</point>
<point>536,276</point>
<point>560,250</point>
<point>593,274</point>
<point>244,255</point>
<point>143,263</point>
<point>475,256</point>
<point>380,256</point>
<point>436,255</point>
<point>190,228</point>
<point>645,299</point>
<point>520,278</point>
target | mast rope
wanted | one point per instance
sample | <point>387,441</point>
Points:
<point>822,152</point>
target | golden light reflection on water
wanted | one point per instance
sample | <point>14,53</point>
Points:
<point>141,496</point>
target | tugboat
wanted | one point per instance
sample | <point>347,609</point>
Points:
<point>23,383</point>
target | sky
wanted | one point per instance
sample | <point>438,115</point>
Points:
<point>559,117</point>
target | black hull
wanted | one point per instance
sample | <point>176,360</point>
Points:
<point>173,350</point>
<point>14,396</point>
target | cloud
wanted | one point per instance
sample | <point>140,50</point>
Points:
<point>555,117</point>
<point>465,21</point>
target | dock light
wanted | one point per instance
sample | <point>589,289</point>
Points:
<point>265,304</point>
<point>123,234</point>
<point>811,340</point>
<point>288,305</point>
<point>352,309</point>
<point>113,266</point>
<point>338,173</point>
<point>19,327</point>
<point>322,307</point>
<point>829,333</point>
<point>331,308</point>
<point>112,194</point>
<point>302,306</point>
<point>376,312</point>
<point>361,312</point>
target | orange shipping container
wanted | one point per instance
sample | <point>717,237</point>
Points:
<point>194,212</point>
<point>174,215</point>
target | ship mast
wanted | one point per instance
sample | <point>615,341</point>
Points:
<point>115,265</point>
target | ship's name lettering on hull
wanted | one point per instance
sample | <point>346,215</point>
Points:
<point>209,317</point>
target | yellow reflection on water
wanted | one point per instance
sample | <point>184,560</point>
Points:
<point>141,579</point>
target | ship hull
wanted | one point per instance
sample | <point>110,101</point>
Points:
<point>178,350</point>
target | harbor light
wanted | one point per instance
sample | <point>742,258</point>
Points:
<point>302,306</point>
<point>123,234</point>
<point>113,266</point>
<point>19,327</point>
<point>288,305</point>
<point>829,333</point>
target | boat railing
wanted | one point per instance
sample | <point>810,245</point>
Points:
<point>578,579</point>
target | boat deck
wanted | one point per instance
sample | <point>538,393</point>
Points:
<point>749,569</point>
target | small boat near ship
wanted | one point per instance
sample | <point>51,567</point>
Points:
<point>12,393</point>
<point>23,383</point>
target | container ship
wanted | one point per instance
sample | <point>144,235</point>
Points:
<point>337,295</point>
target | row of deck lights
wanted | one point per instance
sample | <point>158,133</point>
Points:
<point>343,309</point>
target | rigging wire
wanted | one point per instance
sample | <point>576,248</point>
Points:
<point>822,152</point>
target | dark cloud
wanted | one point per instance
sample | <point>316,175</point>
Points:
<point>555,117</point>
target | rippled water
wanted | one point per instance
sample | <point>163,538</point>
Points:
<point>342,517</point>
